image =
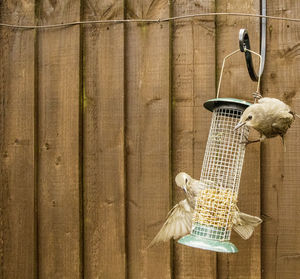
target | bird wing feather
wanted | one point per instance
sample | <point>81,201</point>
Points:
<point>245,231</point>
<point>250,219</point>
<point>178,223</point>
<point>245,224</point>
<point>283,123</point>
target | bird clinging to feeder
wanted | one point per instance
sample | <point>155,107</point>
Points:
<point>270,117</point>
<point>179,218</point>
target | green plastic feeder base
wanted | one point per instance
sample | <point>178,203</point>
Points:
<point>208,244</point>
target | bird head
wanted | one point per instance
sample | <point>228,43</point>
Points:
<point>247,118</point>
<point>182,179</point>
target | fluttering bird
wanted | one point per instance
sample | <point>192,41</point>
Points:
<point>270,117</point>
<point>179,219</point>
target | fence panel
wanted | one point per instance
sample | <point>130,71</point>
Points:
<point>147,77</point>
<point>17,143</point>
<point>280,168</point>
<point>103,152</point>
<point>58,142</point>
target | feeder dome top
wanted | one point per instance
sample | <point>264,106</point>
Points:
<point>214,103</point>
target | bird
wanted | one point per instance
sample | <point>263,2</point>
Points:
<point>270,117</point>
<point>179,219</point>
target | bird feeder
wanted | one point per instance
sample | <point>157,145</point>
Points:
<point>221,173</point>
<point>220,176</point>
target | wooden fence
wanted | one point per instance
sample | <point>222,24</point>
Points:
<point>96,120</point>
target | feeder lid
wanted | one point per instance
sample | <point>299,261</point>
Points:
<point>214,103</point>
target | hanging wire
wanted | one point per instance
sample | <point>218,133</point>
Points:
<point>223,65</point>
<point>260,67</point>
<point>222,69</point>
<point>115,21</point>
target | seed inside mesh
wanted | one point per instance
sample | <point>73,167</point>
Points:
<point>214,207</point>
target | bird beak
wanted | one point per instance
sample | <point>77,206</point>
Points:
<point>241,124</point>
<point>184,189</point>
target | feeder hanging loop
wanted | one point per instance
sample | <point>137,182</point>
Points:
<point>246,50</point>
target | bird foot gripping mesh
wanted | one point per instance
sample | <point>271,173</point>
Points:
<point>221,173</point>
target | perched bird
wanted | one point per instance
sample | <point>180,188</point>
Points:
<point>270,117</point>
<point>179,219</point>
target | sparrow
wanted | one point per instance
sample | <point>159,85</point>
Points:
<point>179,219</point>
<point>270,117</point>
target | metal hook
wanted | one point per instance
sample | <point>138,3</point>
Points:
<point>244,43</point>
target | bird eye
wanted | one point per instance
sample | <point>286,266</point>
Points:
<point>186,181</point>
<point>249,117</point>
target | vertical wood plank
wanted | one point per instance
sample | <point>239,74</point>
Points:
<point>193,68</point>
<point>148,138</point>
<point>17,178</point>
<point>237,83</point>
<point>280,168</point>
<point>104,187</point>
<point>58,161</point>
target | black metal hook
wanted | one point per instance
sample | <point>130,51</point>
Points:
<point>244,43</point>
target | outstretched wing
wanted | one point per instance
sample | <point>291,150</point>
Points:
<point>244,231</point>
<point>244,224</point>
<point>178,223</point>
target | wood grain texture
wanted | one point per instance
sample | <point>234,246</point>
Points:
<point>104,180</point>
<point>237,83</point>
<point>193,69</point>
<point>59,138</point>
<point>147,138</point>
<point>280,168</point>
<point>17,175</point>
<point>154,78</point>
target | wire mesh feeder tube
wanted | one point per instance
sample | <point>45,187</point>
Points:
<point>220,176</point>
